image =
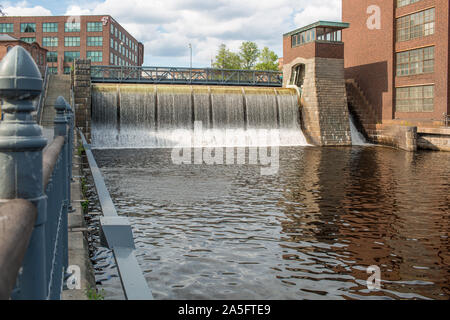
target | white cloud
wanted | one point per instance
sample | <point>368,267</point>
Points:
<point>166,27</point>
<point>23,8</point>
<point>331,11</point>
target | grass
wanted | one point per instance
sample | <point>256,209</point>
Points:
<point>93,294</point>
<point>80,150</point>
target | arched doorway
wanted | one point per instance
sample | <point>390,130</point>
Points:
<point>298,76</point>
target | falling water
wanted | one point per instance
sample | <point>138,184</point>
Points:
<point>357,137</point>
<point>130,116</point>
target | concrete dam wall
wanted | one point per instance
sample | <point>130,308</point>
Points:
<point>159,116</point>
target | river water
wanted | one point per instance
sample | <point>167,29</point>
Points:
<point>308,232</point>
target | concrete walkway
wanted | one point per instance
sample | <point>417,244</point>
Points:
<point>58,85</point>
<point>78,245</point>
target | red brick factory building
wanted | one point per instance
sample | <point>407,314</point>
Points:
<point>98,38</point>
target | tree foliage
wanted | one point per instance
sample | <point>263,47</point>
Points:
<point>268,60</point>
<point>225,59</point>
<point>249,54</point>
<point>249,57</point>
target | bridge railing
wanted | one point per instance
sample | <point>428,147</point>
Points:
<point>168,75</point>
<point>34,187</point>
<point>42,96</point>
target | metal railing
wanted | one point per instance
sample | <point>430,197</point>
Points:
<point>42,96</point>
<point>34,251</point>
<point>116,234</point>
<point>168,75</point>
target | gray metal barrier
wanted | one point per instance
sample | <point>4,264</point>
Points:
<point>117,236</point>
<point>38,176</point>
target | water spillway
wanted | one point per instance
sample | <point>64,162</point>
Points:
<point>164,116</point>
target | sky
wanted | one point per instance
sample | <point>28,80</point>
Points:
<point>166,27</point>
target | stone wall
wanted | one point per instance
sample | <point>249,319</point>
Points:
<point>82,94</point>
<point>437,139</point>
<point>325,117</point>
<point>401,137</point>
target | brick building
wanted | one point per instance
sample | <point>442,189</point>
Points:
<point>98,38</point>
<point>397,51</point>
<point>38,53</point>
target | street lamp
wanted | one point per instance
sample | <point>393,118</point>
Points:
<point>190,47</point>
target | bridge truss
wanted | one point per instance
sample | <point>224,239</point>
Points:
<point>168,75</point>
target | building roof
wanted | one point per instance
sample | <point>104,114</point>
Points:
<point>7,37</point>
<point>326,24</point>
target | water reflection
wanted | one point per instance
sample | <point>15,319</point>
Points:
<point>308,233</point>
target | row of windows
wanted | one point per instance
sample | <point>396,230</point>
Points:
<point>415,99</point>
<point>116,60</point>
<point>402,3</point>
<point>303,37</point>
<point>415,61</point>
<point>71,41</point>
<point>124,51</point>
<point>125,40</point>
<point>51,27</point>
<point>69,56</point>
<point>321,34</point>
<point>417,25</point>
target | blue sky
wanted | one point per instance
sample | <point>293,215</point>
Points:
<point>166,27</point>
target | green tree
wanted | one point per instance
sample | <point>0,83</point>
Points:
<point>225,59</point>
<point>268,60</point>
<point>249,54</point>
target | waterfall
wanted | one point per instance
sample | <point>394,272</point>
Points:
<point>157,116</point>
<point>358,138</point>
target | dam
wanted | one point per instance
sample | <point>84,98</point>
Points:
<point>162,116</point>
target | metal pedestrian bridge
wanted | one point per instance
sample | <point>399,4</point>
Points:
<point>169,75</point>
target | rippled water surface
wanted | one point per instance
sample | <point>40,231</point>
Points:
<point>309,232</point>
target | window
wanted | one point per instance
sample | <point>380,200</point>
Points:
<point>415,61</point>
<point>69,56</point>
<point>71,41</point>
<point>95,56</point>
<point>28,39</point>
<point>72,27</point>
<point>50,27</point>
<point>52,56</point>
<point>112,43</point>
<point>67,70</point>
<point>115,60</point>
<point>6,27</point>
<point>115,45</point>
<point>415,99</point>
<point>50,41</point>
<point>402,3</point>
<point>95,41</point>
<point>27,27</point>
<point>417,25</point>
<point>111,58</point>
<point>53,70</point>
<point>115,31</point>
<point>112,28</point>
<point>94,27</point>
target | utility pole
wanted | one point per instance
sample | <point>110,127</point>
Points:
<point>190,48</point>
<point>190,66</point>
